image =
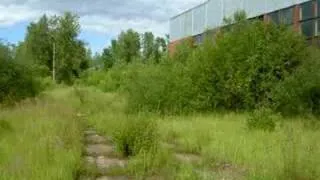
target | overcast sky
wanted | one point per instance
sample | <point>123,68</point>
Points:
<point>101,20</point>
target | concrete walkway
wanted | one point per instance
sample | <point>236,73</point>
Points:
<point>100,162</point>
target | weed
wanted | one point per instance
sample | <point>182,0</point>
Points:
<point>136,135</point>
<point>5,126</point>
<point>262,119</point>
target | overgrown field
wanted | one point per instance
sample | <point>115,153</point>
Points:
<point>41,138</point>
<point>243,105</point>
<point>218,145</point>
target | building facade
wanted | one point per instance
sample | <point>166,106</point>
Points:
<point>302,15</point>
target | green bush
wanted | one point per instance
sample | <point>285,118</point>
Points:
<point>249,65</point>
<point>161,88</point>
<point>5,126</point>
<point>239,71</point>
<point>17,81</point>
<point>300,93</point>
<point>107,81</point>
<point>263,119</point>
<point>136,135</point>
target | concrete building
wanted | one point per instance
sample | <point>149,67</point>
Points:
<point>302,15</point>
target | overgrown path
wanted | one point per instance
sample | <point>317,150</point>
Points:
<point>100,162</point>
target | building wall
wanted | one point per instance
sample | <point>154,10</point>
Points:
<point>210,14</point>
<point>294,13</point>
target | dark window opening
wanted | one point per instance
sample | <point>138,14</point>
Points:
<point>307,10</point>
<point>318,9</point>
<point>198,39</point>
<point>318,27</point>
<point>308,28</point>
<point>286,16</point>
<point>275,17</point>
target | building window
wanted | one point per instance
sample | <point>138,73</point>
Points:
<point>198,39</point>
<point>308,28</point>
<point>286,16</point>
<point>318,27</point>
<point>306,11</point>
<point>275,17</point>
<point>318,9</point>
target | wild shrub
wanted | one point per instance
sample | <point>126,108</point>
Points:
<point>163,88</point>
<point>107,81</point>
<point>250,59</point>
<point>136,135</point>
<point>16,80</point>
<point>5,126</point>
<point>300,93</point>
<point>250,64</point>
<point>239,71</point>
<point>263,119</point>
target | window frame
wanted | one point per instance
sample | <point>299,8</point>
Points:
<point>314,27</point>
<point>312,11</point>
<point>315,5</point>
<point>198,39</point>
<point>277,14</point>
<point>281,13</point>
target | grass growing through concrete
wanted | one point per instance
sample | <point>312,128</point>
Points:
<point>207,146</point>
<point>40,138</point>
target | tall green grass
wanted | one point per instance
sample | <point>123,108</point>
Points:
<point>41,138</point>
<point>290,151</point>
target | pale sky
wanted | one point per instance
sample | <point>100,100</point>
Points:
<point>101,20</point>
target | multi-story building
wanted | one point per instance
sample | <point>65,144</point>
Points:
<point>302,15</point>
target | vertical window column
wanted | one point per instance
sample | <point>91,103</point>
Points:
<point>307,19</point>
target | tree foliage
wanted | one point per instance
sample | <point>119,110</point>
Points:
<point>129,46</point>
<point>16,80</point>
<point>250,65</point>
<point>55,38</point>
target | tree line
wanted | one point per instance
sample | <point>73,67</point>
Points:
<point>51,49</point>
<point>246,65</point>
<point>130,46</point>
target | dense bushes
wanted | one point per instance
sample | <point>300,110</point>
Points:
<point>16,80</point>
<point>249,65</point>
<point>301,92</point>
<point>263,119</point>
<point>112,80</point>
<point>164,88</point>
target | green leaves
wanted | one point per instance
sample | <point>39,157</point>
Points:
<point>55,39</point>
<point>16,81</point>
